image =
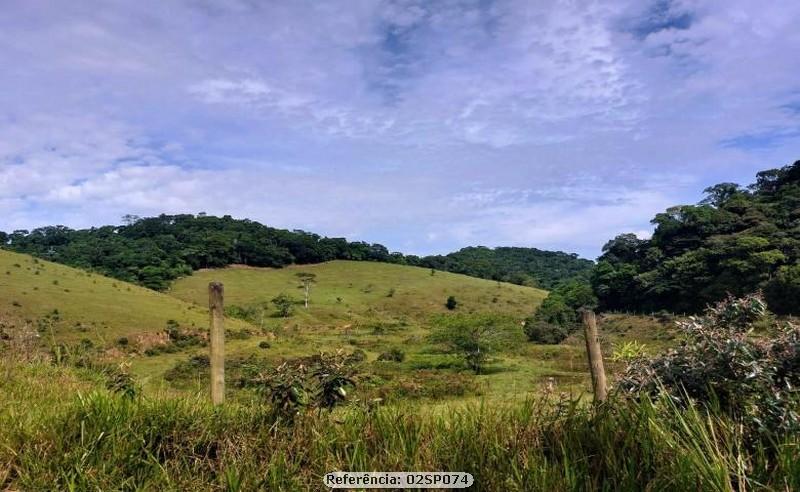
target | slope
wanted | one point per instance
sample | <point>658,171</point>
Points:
<point>78,305</point>
<point>347,291</point>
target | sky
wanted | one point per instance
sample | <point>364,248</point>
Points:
<point>426,126</point>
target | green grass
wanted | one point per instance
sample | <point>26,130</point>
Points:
<point>87,439</point>
<point>88,306</point>
<point>350,292</point>
<point>351,309</point>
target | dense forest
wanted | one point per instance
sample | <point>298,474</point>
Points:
<point>154,251</point>
<point>523,266</point>
<point>735,241</point>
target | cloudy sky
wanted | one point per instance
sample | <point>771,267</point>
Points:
<point>423,125</point>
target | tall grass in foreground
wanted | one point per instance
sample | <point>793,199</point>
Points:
<point>105,442</point>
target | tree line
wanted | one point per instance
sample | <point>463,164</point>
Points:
<point>736,241</point>
<point>153,251</point>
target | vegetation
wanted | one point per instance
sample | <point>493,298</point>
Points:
<point>67,305</point>
<point>558,315</point>
<point>101,441</point>
<point>756,380</point>
<point>472,338</point>
<point>735,241</point>
<point>284,304</point>
<point>154,251</point>
<point>522,266</point>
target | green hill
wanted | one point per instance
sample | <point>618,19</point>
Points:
<point>154,251</point>
<point>74,305</point>
<point>352,291</point>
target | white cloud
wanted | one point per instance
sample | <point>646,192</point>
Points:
<point>424,125</point>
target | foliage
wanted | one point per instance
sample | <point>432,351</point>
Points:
<point>540,331</point>
<point>451,303</point>
<point>100,441</point>
<point>735,241</point>
<point>319,382</point>
<point>721,363</point>
<point>284,304</point>
<point>522,266</point>
<point>472,338</point>
<point>628,351</point>
<point>558,315</point>
<point>153,251</point>
<point>120,381</point>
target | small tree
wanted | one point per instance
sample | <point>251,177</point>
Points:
<point>284,304</point>
<point>472,338</point>
<point>306,279</point>
<point>451,303</point>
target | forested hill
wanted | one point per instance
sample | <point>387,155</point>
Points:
<point>523,266</point>
<point>737,240</point>
<point>154,251</point>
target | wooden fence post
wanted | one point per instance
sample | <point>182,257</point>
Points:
<point>595,356</point>
<point>217,338</point>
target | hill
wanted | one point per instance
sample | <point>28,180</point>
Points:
<point>735,241</point>
<point>523,266</point>
<point>73,305</point>
<point>154,251</point>
<point>350,291</point>
<point>375,308</point>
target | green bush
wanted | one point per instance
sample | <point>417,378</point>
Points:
<point>539,331</point>
<point>756,380</point>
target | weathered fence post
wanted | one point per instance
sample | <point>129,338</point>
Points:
<point>595,356</point>
<point>217,336</point>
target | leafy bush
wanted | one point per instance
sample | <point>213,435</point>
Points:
<point>628,351</point>
<point>393,355</point>
<point>722,364</point>
<point>320,381</point>
<point>120,381</point>
<point>451,303</point>
<point>539,331</point>
<point>558,316</point>
<point>284,304</point>
<point>472,338</point>
<point>264,344</point>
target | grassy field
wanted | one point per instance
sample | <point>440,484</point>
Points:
<point>351,292</point>
<point>374,307</point>
<point>80,305</point>
<point>370,308</point>
<point>522,424</point>
<point>61,430</point>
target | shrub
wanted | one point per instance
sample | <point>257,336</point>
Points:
<point>120,381</point>
<point>393,355</point>
<point>451,303</point>
<point>264,344</point>
<point>539,331</point>
<point>284,305</point>
<point>472,338</point>
<point>722,364</point>
<point>320,381</point>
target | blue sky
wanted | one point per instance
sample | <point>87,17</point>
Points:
<point>424,125</point>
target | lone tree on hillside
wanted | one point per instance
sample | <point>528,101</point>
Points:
<point>471,338</point>
<point>306,279</point>
<point>283,303</point>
